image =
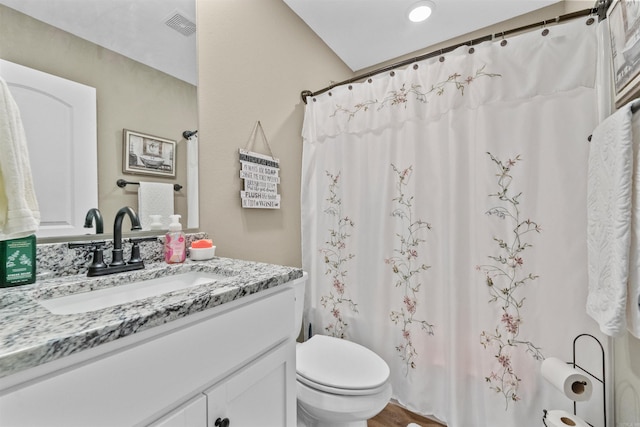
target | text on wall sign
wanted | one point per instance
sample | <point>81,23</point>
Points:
<point>261,175</point>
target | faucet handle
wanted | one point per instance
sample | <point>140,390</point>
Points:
<point>135,248</point>
<point>135,254</point>
<point>136,240</point>
<point>97,262</point>
<point>94,244</point>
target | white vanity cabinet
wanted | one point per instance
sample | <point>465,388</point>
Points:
<point>234,361</point>
<point>191,414</point>
<point>253,397</point>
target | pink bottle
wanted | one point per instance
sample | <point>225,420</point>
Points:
<point>175,248</point>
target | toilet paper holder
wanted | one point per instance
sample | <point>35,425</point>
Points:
<point>600,380</point>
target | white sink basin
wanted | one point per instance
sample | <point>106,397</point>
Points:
<point>102,298</point>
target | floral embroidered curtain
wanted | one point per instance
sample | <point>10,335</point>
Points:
<point>444,218</point>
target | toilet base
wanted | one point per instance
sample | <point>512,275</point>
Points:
<point>319,409</point>
<point>304,420</point>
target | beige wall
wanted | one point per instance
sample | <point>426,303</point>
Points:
<point>130,95</point>
<point>255,57</point>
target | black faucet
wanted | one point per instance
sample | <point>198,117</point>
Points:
<point>116,254</point>
<point>117,265</point>
<point>94,214</point>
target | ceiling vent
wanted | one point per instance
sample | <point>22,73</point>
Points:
<point>181,24</point>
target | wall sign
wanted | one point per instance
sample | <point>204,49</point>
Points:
<point>261,175</point>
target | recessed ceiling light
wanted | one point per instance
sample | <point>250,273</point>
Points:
<point>420,11</point>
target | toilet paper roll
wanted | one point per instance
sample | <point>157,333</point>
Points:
<point>575,385</point>
<point>559,418</point>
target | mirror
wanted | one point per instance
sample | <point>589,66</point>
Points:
<point>140,56</point>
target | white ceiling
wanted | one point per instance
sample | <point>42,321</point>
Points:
<point>362,33</point>
<point>368,32</point>
<point>133,28</point>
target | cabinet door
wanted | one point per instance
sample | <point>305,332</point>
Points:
<point>191,414</point>
<point>261,394</point>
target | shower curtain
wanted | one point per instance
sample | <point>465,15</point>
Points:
<point>444,218</point>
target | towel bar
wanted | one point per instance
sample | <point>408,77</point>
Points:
<point>122,183</point>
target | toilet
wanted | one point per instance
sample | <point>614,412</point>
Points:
<point>338,383</point>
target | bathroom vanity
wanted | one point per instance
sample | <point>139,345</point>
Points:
<point>217,350</point>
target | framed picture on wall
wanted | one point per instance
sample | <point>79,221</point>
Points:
<point>624,26</point>
<point>148,155</point>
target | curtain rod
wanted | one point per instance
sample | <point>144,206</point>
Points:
<point>600,10</point>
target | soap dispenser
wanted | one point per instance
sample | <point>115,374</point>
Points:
<point>175,250</point>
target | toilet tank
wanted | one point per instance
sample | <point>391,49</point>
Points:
<point>299,286</point>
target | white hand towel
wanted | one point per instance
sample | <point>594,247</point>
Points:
<point>155,199</point>
<point>19,213</point>
<point>609,187</point>
<point>193,219</point>
<point>633,284</point>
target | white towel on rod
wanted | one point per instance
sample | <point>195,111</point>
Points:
<point>609,191</point>
<point>193,218</point>
<point>19,212</point>
<point>155,198</point>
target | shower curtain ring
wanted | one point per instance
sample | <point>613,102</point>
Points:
<point>545,31</point>
<point>503,42</point>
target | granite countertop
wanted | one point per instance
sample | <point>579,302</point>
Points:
<point>31,335</point>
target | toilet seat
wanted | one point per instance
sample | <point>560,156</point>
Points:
<point>341,367</point>
<point>340,391</point>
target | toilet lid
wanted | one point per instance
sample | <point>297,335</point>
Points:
<point>339,363</point>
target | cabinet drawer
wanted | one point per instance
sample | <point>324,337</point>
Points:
<point>137,384</point>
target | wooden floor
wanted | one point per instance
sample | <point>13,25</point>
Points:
<point>396,416</point>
